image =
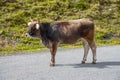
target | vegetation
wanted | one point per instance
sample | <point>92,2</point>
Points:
<point>14,15</point>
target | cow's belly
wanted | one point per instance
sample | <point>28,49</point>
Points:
<point>70,40</point>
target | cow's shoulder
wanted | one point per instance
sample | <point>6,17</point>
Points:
<point>45,24</point>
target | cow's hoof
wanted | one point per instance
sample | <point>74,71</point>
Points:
<point>93,62</point>
<point>52,65</point>
<point>83,62</point>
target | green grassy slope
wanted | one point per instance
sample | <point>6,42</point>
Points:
<point>14,15</point>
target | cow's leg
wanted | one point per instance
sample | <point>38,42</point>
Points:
<point>53,50</point>
<point>93,48</point>
<point>90,40</point>
<point>86,49</point>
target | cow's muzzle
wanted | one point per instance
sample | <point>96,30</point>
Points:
<point>27,35</point>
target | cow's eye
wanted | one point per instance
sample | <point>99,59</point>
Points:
<point>34,29</point>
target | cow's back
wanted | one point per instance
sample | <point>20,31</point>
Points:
<point>73,30</point>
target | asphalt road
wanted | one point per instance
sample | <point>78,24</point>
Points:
<point>35,66</point>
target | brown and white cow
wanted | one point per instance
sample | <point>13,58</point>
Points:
<point>67,32</point>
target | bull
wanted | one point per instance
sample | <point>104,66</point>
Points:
<point>67,32</point>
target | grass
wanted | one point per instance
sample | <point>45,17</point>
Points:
<point>15,15</point>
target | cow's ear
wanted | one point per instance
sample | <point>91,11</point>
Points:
<point>37,26</point>
<point>29,23</point>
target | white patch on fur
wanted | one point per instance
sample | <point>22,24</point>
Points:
<point>37,26</point>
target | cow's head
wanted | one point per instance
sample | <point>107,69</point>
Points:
<point>33,29</point>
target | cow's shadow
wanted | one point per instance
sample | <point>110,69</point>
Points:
<point>89,65</point>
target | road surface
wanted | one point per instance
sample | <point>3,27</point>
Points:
<point>35,66</point>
